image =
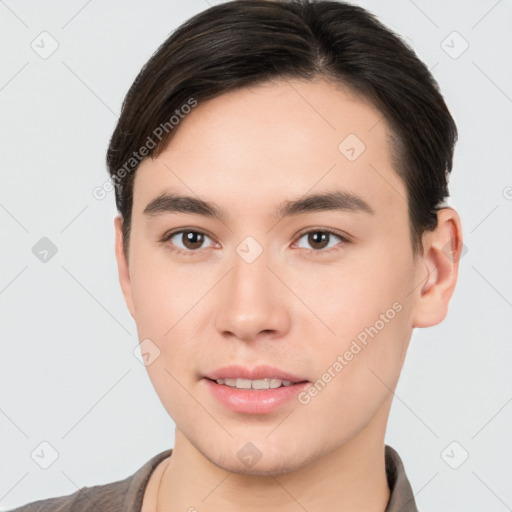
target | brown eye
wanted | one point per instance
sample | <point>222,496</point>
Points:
<point>318,239</point>
<point>321,241</point>
<point>186,241</point>
<point>192,239</point>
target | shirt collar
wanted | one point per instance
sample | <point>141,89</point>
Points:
<point>401,497</point>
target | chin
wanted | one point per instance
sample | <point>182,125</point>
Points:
<point>280,462</point>
<point>262,469</point>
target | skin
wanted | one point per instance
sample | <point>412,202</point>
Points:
<point>249,151</point>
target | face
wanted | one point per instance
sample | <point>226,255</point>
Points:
<point>323,292</point>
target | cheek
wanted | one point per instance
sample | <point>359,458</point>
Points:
<point>167,300</point>
<point>367,307</point>
<point>169,310</point>
<point>351,295</point>
<point>164,294</point>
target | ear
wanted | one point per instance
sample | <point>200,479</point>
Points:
<point>122,265</point>
<point>438,268</point>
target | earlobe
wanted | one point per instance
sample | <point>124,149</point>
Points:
<point>438,267</point>
<point>122,265</point>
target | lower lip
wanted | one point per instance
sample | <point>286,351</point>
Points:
<point>254,401</point>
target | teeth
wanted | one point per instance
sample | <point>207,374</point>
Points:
<point>254,384</point>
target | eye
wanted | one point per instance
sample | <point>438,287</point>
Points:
<point>190,240</point>
<point>319,239</point>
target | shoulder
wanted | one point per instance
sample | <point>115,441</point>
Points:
<point>119,495</point>
<point>84,500</point>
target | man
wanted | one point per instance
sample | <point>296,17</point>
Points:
<point>280,171</point>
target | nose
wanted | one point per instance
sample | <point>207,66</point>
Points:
<point>252,301</point>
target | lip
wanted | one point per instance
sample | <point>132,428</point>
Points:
<point>253,401</point>
<point>258,372</point>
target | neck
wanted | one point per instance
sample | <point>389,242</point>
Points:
<point>350,478</point>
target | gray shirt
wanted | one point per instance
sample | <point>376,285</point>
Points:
<point>127,495</point>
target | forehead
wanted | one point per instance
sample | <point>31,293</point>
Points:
<point>258,145</point>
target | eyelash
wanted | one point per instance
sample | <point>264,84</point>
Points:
<point>314,252</point>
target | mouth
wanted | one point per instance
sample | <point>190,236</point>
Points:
<point>260,390</point>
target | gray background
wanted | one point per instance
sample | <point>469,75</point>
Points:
<point>68,373</point>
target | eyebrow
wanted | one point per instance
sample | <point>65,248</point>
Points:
<point>337,200</point>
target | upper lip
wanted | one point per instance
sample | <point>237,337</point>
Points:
<point>255,373</point>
